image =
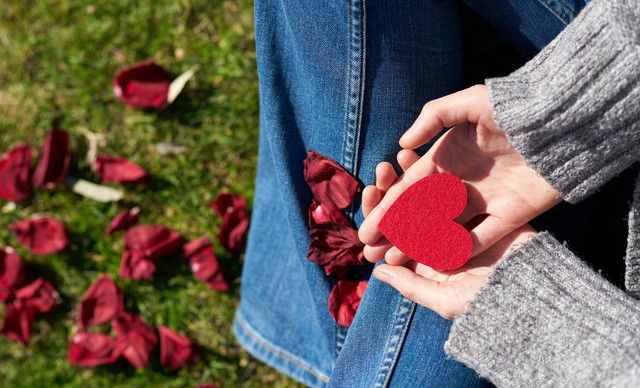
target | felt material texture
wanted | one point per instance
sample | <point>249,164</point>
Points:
<point>420,222</point>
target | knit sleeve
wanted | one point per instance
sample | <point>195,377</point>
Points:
<point>573,112</point>
<point>544,319</point>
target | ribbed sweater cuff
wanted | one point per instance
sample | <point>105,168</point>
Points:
<point>543,318</point>
<point>572,112</point>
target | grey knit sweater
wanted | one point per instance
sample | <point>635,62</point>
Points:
<point>543,317</point>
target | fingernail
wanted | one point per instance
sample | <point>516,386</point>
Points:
<point>383,275</point>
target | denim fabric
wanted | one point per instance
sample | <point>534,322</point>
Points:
<point>344,79</point>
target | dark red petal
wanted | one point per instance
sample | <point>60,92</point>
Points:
<point>114,168</point>
<point>14,173</point>
<point>135,266</point>
<point>227,203</point>
<point>329,182</point>
<point>177,350</point>
<point>53,162</point>
<point>101,303</point>
<point>336,247</point>
<point>92,349</point>
<point>41,235</point>
<point>143,85</point>
<point>325,213</point>
<point>203,263</point>
<point>206,385</point>
<point>39,296</point>
<point>12,272</point>
<point>136,339</point>
<point>344,300</point>
<point>152,241</point>
<point>235,221</point>
<point>123,221</point>
<point>17,322</point>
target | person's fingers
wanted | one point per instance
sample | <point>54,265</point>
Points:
<point>471,105</point>
<point>488,232</point>
<point>406,158</point>
<point>385,176</point>
<point>371,196</point>
<point>377,251</point>
<point>395,257</point>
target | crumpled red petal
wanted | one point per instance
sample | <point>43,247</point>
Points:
<point>326,213</point>
<point>152,241</point>
<point>135,266</point>
<point>235,221</point>
<point>12,272</point>
<point>136,339</point>
<point>335,247</point>
<point>92,349</point>
<point>123,221</point>
<point>17,322</point>
<point>177,351</point>
<point>203,263</point>
<point>53,162</point>
<point>101,302</point>
<point>41,235</point>
<point>115,168</point>
<point>143,85</point>
<point>14,173</point>
<point>39,296</point>
<point>344,300</point>
<point>329,182</point>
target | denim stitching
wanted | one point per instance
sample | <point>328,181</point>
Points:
<point>560,12</point>
<point>396,339</point>
<point>271,349</point>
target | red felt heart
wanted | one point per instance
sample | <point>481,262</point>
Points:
<point>420,222</point>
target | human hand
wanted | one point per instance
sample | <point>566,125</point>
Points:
<point>503,192</point>
<point>448,292</point>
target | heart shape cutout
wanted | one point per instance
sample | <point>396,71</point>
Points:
<point>420,222</point>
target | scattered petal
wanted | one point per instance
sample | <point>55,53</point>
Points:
<point>178,84</point>
<point>14,173</point>
<point>92,349</point>
<point>152,241</point>
<point>136,339</point>
<point>203,263</point>
<point>325,213</point>
<point>12,272</point>
<point>135,266</point>
<point>101,302</point>
<point>235,221</point>
<point>53,162</point>
<point>177,350</point>
<point>41,235</point>
<point>344,300</point>
<point>329,182</point>
<point>39,296</point>
<point>143,85</point>
<point>206,385</point>
<point>17,322</point>
<point>123,221</point>
<point>165,148</point>
<point>91,190</point>
<point>114,168</point>
<point>335,247</point>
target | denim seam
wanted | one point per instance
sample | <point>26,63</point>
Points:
<point>396,338</point>
<point>273,350</point>
<point>553,10</point>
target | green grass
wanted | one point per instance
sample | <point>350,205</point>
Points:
<point>57,62</point>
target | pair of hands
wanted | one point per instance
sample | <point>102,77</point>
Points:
<point>503,195</point>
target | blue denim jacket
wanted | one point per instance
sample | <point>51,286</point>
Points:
<point>346,79</point>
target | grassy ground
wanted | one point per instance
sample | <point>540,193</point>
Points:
<point>57,61</point>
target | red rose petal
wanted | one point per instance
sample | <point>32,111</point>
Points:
<point>17,322</point>
<point>335,247</point>
<point>92,349</point>
<point>101,302</point>
<point>14,173</point>
<point>39,296</point>
<point>344,300</point>
<point>12,272</point>
<point>114,168</point>
<point>136,339</point>
<point>143,85</point>
<point>135,266</point>
<point>420,222</point>
<point>177,350</point>
<point>235,221</point>
<point>325,213</point>
<point>53,162</point>
<point>203,263</point>
<point>206,385</point>
<point>123,221</point>
<point>41,235</point>
<point>152,241</point>
<point>329,182</point>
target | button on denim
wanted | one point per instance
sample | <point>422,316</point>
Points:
<point>346,79</point>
